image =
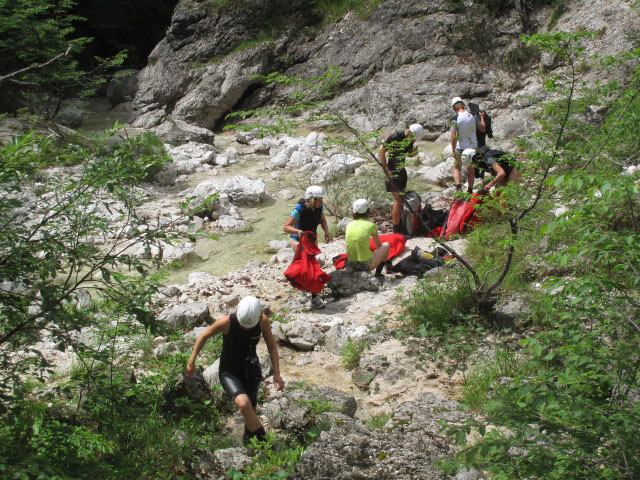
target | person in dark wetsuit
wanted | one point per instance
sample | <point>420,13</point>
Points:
<point>305,217</point>
<point>496,162</point>
<point>240,372</point>
<point>393,155</point>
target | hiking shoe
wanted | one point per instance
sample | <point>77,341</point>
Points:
<point>317,303</point>
<point>388,267</point>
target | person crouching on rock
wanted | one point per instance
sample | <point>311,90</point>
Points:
<point>359,231</point>
<point>240,372</point>
<point>305,217</point>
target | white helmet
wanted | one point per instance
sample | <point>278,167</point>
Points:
<point>248,312</point>
<point>314,191</point>
<point>417,130</point>
<point>361,205</point>
<point>455,100</point>
<point>468,154</point>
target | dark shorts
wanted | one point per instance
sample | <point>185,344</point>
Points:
<point>234,387</point>
<point>398,182</point>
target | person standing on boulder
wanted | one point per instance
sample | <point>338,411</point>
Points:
<point>240,372</point>
<point>359,231</point>
<point>392,155</point>
<point>305,217</point>
<point>463,136</point>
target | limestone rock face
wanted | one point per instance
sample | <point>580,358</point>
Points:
<point>122,87</point>
<point>400,65</point>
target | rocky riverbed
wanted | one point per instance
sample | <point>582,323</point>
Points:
<point>392,376</point>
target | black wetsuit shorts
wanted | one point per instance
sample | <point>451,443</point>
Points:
<point>235,386</point>
<point>398,182</point>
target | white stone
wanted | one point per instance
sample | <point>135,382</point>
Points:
<point>244,190</point>
<point>227,223</point>
<point>283,156</point>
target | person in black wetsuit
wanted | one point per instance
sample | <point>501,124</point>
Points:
<point>393,155</point>
<point>240,372</point>
<point>496,162</point>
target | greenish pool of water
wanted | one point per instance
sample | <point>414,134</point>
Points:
<point>233,251</point>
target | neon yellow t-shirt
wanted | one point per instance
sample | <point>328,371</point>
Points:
<point>357,238</point>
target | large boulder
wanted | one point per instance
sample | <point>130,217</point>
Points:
<point>202,153</point>
<point>184,315</point>
<point>122,87</point>
<point>177,131</point>
<point>283,156</point>
<point>406,448</point>
<point>298,410</point>
<point>441,174</point>
<point>194,388</point>
<point>297,333</point>
<point>347,282</point>
<point>167,175</point>
<point>244,190</point>
<point>339,164</point>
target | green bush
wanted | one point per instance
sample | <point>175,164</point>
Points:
<point>483,376</point>
<point>352,351</point>
<point>573,411</point>
<point>276,459</point>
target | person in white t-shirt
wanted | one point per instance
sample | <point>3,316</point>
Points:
<point>463,137</point>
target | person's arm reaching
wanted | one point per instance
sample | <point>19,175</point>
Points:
<point>376,239</point>
<point>383,159</point>
<point>289,227</point>
<point>221,325</point>
<point>500,174</point>
<point>483,123</point>
<point>325,227</point>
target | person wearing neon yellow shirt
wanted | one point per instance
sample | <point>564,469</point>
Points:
<point>359,231</point>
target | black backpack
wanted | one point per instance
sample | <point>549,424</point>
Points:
<point>475,110</point>
<point>433,218</point>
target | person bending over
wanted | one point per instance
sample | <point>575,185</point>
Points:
<point>359,231</point>
<point>496,162</point>
<point>306,216</point>
<point>240,372</point>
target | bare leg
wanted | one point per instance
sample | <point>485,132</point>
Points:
<point>396,211</point>
<point>251,420</point>
<point>380,255</point>
<point>514,176</point>
<point>457,177</point>
<point>293,244</point>
<point>471,174</point>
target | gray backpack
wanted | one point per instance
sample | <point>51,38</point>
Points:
<point>410,223</point>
